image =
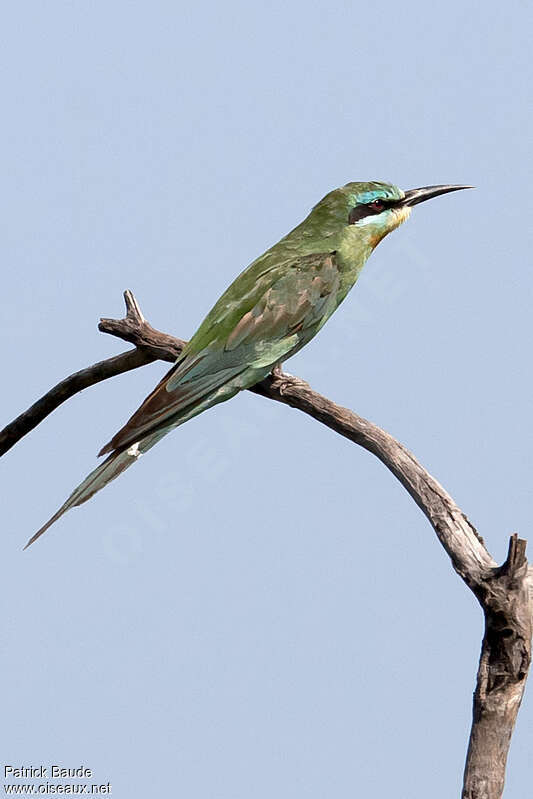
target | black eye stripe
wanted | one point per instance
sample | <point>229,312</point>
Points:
<point>368,209</point>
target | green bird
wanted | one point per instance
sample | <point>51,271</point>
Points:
<point>272,309</point>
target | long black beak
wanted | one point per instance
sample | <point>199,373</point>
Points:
<point>415,196</point>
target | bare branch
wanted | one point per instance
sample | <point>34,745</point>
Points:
<point>153,346</point>
<point>66,389</point>
<point>135,329</point>
<point>502,673</point>
<point>504,592</point>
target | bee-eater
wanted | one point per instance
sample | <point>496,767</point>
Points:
<point>269,312</point>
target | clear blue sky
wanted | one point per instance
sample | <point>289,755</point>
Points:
<point>258,609</point>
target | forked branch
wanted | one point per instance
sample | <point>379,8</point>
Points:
<point>503,592</point>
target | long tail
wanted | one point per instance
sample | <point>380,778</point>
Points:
<point>114,465</point>
<point>126,454</point>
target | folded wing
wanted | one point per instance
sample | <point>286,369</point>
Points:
<point>281,320</point>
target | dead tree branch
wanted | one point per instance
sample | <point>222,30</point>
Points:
<point>66,389</point>
<point>503,592</point>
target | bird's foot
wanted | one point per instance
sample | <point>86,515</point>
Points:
<point>284,380</point>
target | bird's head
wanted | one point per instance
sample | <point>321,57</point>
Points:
<point>361,214</point>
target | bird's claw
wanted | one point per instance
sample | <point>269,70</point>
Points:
<point>284,380</point>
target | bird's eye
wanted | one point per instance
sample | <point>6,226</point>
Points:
<point>366,209</point>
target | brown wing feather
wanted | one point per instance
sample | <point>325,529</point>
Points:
<point>155,400</point>
<point>162,405</point>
